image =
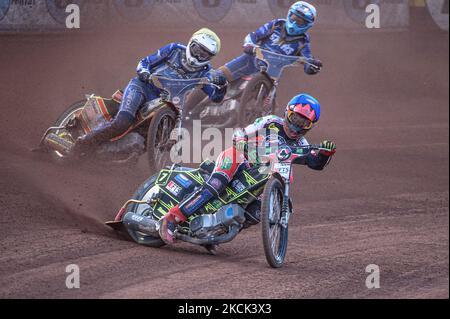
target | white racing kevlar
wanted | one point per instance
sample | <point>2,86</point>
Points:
<point>42,15</point>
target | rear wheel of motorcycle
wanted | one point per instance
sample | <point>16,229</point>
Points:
<point>253,100</point>
<point>158,138</point>
<point>62,120</point>
<point>140,238</point>
<point>274,235</point>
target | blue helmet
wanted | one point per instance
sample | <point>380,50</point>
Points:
<point>300,18</point>
<point>306,106</point>
<point>301,113</point>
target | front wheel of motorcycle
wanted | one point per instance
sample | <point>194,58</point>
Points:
<point>158,138</point>
<point>274,235</point>
<point>63,119</point>
<point>254,100</point>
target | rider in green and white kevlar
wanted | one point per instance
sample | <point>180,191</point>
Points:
<point>302,113</point>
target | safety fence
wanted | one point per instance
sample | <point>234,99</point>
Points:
<point>24,16</point>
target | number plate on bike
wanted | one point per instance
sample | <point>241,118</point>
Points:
<point>284,169</point>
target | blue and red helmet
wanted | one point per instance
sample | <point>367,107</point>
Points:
<point>300,18</point>
<point>301,113</point>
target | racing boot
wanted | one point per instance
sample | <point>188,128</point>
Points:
<point>116,127</point>
<point>168,224</point>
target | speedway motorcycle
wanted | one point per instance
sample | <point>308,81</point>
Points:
<point>220,220</point>
<point>154,132</point>
<point>249,97</point>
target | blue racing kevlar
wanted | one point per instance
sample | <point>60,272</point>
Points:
<point>271,36</point>
<point>170,62</point>
<point>136,93</point>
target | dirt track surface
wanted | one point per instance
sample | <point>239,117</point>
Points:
<point>383,200</point>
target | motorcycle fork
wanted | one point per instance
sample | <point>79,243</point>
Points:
<point>269,102</point>
<point>178,127</point>
<point>285,210</point>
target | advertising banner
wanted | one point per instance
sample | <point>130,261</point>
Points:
<point>439,12</point>
<point>334,15</point>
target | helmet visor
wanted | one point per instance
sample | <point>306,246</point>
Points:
<point>298,123</point>
<point>299,21</point>
<point>200,52</point>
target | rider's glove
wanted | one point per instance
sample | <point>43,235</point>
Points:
<point>327,148</point>
<point>249,49</point>
<point>240,140</point>
<point>144,76</point>
<point>217,78</point>
<point>240,144</point>
<point>314,66</point>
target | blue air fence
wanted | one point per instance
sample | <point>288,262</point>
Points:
<point>23,16</point>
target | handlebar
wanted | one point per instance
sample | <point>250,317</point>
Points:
<point>296,60</point>
<point>156,80</point>
<point>172,88</point>
<point>297,151</point>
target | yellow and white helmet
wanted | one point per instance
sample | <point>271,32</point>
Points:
<point>202,47</point>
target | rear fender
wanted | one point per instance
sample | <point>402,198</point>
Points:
<point>279,177</point>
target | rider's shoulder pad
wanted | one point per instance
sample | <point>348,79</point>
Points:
<point>178,45</point>
<point>274,119</point>
<point>279,22</point>
<point>268,119</point>
<point>169,48</point>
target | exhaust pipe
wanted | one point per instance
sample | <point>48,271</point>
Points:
<point>150,227</point>
<point>140,223</point>
<point>234,230</point>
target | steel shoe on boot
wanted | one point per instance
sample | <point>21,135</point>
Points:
<point>168,224</point>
